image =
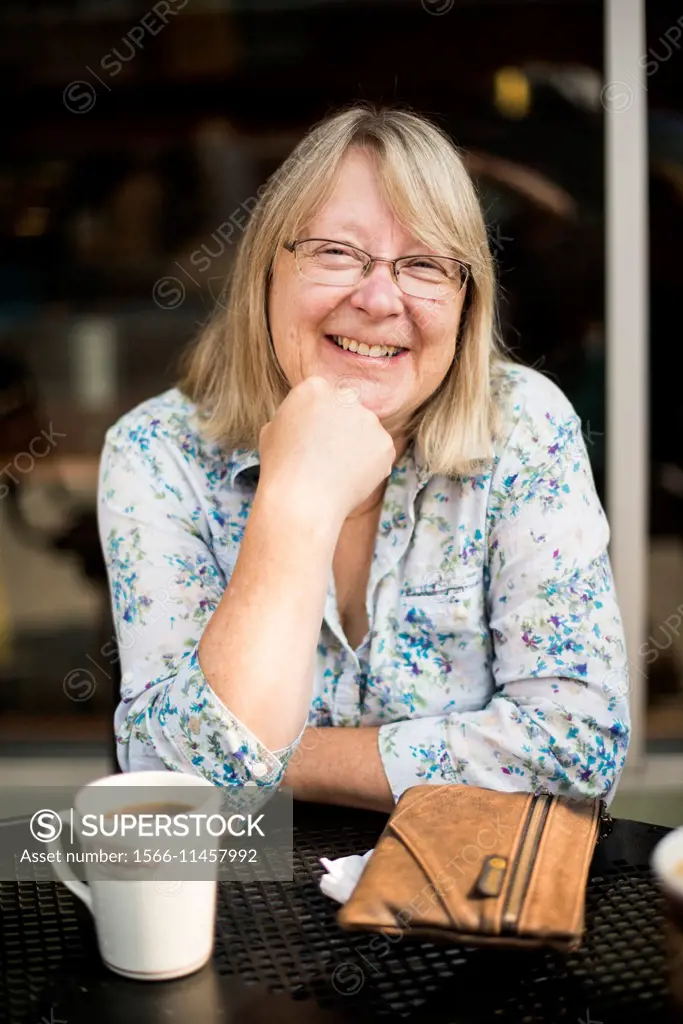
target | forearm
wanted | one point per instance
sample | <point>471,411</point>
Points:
<point>340,766</point>
<point>258,650</point>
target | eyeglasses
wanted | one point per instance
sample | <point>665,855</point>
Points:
<point>325,261</point>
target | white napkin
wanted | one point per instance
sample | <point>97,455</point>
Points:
<point>342,875</point>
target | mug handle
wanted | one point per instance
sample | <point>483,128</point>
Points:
<point>65,874</point>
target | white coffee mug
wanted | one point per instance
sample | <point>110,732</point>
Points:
<point>147,929</point>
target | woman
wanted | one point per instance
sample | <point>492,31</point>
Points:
<point>360,548</point>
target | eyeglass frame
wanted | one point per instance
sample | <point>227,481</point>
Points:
<point>371,260</point>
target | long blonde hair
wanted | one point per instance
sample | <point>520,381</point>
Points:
<point>232,373</point>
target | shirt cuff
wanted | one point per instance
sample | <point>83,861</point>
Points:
<point>190,729</point>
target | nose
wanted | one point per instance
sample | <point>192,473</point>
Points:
<point>377,294</point>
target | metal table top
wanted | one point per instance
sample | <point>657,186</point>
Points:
<point>280,955</point>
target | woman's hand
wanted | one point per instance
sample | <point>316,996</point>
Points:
<point>326,455</point>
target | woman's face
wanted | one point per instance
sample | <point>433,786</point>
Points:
<point>305,316</point>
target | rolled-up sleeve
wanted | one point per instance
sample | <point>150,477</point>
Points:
<point>558,717</point>
<point>165,584</point>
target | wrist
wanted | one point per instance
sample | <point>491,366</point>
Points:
<point>291,510</point>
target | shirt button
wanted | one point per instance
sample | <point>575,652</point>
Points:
<point>233,739</point>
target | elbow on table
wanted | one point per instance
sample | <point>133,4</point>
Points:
<point>177,723</point>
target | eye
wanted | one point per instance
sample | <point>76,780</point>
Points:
<point>424,267</point>
<point>333,254</point>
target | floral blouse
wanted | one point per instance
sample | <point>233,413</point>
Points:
<point>495,655</point>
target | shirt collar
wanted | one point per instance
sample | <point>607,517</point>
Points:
<point>422,472</point>
<point>408,476</point>
<point>241,460</point>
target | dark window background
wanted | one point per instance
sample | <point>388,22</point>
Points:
<point>128,143</point>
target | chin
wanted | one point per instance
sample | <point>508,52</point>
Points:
<point>387,412</point>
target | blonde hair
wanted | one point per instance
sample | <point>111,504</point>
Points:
<point>232,373</point>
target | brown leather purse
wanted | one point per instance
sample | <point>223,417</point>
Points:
<point>479,867</point>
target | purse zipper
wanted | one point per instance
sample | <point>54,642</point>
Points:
<point>532,833</point>
<point>534,825</point>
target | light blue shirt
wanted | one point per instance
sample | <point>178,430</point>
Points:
<point>495,655</point>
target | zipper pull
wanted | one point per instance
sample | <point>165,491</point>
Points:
<point>491,876</point>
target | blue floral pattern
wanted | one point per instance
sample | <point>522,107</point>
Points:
<point>495,655</point>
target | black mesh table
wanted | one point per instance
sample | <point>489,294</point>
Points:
<point>280,955</point>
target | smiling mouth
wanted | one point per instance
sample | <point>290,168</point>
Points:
<point>361,349</point>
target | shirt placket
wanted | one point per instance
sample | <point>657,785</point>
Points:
<point>344,694</point>
<point>393,538</point>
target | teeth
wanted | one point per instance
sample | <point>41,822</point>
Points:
<point>376,351</point>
